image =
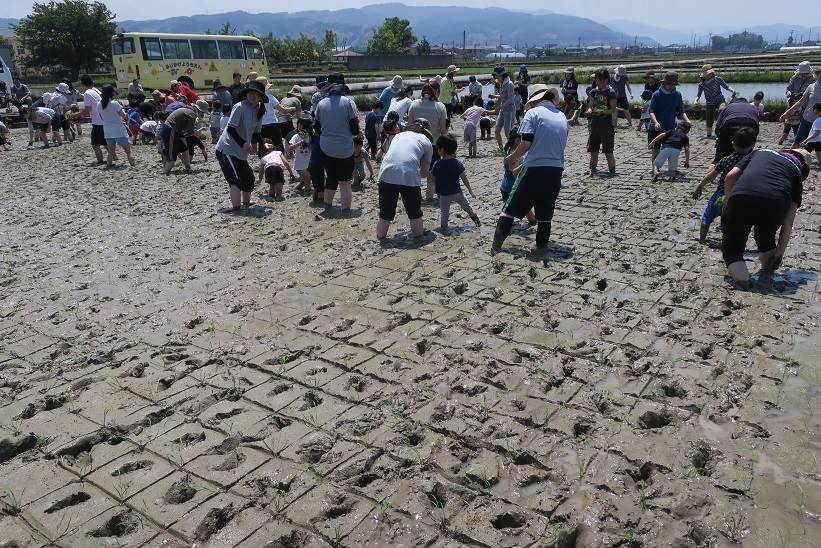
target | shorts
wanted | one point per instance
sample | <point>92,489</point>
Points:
<point>97,136</point>
<point>764,216</point>
<point>65,124</point>
<point>713,209</point>
<point>134,129</point>
<point>336,170</point>
<point>623,103</point>
<point>447,199</point>
<point>601,136</point>
<point>317,177</point>
<point>215,134</point>
<point>285,127</point>
<point>505,120</point>
<point>122,141</point>
<point>146,134</point>
<point>274,175</point>
<point>814,146</point>
<point>788,127</point>
<point>651,136</point>
<point>172,145</point>
<point>237,172</point>
<point>469,134</point>
<point>56,123</point>
<point>535,188</point>
<point>485,125</point>
<point>45,128</point>
<point>803,131</point>
<point>505,194</point>
<point>711,113</point>
<point>389,196</point>
<point>670,155</point>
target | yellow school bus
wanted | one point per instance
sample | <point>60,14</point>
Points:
<point>193,59</point>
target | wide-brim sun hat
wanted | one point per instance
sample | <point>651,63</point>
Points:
<point>254,86</point>
<point>539,92</point>
<point>705,69</point>
<point>497,71</point>
<point>397,84</point>
<point>570,70</point>
<point>295,91</point>
<point>264,81</point>
<point>252,76</point>
<point>423,124</point>
<point>621,69</point>
<point>671,77</point>
<point>321,82</point>
<point>201,106</point>
<point>172,83</point>
<point>804,67</point>
<point>62,87</point>
<point>453,68</point>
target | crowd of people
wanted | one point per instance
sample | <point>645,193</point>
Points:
<point>411,140</point>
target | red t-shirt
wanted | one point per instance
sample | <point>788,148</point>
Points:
<point>190,95</point>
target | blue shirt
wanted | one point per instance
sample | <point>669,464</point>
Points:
<point>667,107</point>
<point>316,152</point>
<point>134,116</point>
<point>507,180</point>
<point>174,106</point>
<point>386,96</point>
<point>548,125</point>
<point>447,172</point>
<point>371,120</point>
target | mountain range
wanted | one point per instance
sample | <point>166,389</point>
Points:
<point>446,24</point>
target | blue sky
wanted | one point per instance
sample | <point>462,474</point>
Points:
<point>694,14</point>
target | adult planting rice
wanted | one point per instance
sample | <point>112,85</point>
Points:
<point>337,122</point>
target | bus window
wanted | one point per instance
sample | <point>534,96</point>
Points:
<point>231,49</point>
<point>122,46</point>
<point>253,50</point>
<point>204,49</point>
<point>176,49</point>
<point>151,49</point>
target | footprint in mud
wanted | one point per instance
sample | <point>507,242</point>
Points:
<point>651,420</point>
<point>509,520</point>
<point>231,462</point>
<point>129,467</point>
<point>119,525</point>
<point>180,491</point>
<point>189,439</point>
<point>704,458</point>
<point>10,448</point>
<point>310,400</point>
<point>315,447</point>
<point>71,500</point>
<point>214,520</point>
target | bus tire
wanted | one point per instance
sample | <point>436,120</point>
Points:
<point>187,81</point>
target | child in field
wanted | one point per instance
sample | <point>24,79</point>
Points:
<point>41,118</point>
<point>758,102</point>
<point>472,118</point>
<point>792,121</point>
<point>509,178</point>
<point>644,120</point>
<point>300,145</point>
<point>135,120</point>
<point>389,129</point>
<point>148,131</point>
<point>373,127</point>
<point>360,161</point>
<point>813,141</point>
<point>74,119</point>
<point>226,115</point>
<point>446,174</point>
<point>5,136</point>
<point>743,143</point>
<point>272,167</point>
<point>672,142</point>
<point>214,121</point>
<point>161,118</point>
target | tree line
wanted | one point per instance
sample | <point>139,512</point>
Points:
<point>75,36</point>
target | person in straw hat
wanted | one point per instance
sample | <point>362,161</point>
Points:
<point>801,78</point>
<point>763,193</point>
<point>174,133</point>
<point>60,102</point>
<point>270,121</point>
<point>293,99</point>
<point>448,91</point>
<point>235,143</point>
<point>811,96</point>
<point>711,86</point>
<point>543,132</point>
<point>393,89</point>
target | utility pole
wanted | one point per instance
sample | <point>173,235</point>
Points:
<point>464,40</point>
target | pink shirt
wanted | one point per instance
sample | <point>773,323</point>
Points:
<point>272,159</point>
<point>473,115</point>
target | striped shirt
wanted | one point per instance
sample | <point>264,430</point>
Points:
<point>712,90</point>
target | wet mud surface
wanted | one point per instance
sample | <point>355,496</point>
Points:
<point>172,375</point>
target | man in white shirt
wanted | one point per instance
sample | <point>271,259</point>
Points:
<point>91,98</point>
<point>403,167</point>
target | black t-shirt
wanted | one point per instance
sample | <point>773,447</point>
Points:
<point>448,172</point>
<point>600,103</point>
<point>675,138</point>
<point>768,174</point>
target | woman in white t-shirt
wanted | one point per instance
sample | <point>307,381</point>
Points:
<point>114,128</point>
<point>270,121</point>
<point>400,105</point>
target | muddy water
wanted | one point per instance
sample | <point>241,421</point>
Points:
<point>281,377</point>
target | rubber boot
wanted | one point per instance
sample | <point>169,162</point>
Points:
<point>503,228</point>
<point>542,235</point>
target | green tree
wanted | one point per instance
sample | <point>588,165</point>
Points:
<point>395,36</point>
<point>73,34</point>
<point>329,43</point>
<point>302,49</point>
<point>423,47</point>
